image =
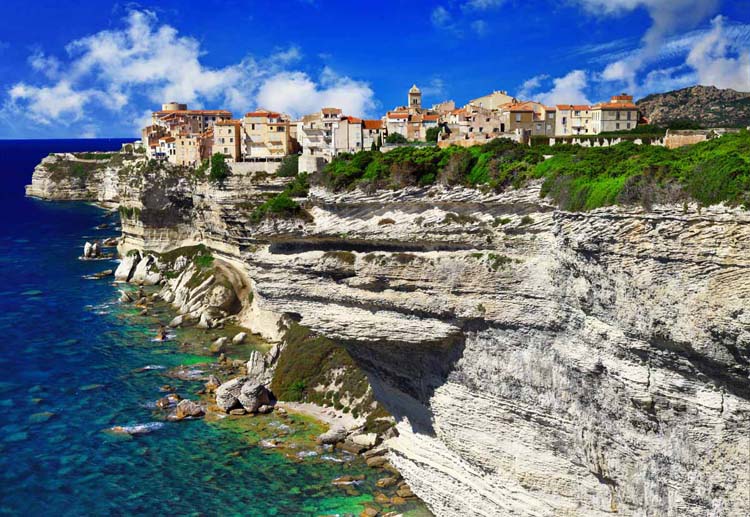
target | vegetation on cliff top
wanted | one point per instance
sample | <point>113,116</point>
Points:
<point>283,204</point>
<point>577,178</point>
<point>316,369</point>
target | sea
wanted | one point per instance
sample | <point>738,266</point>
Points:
<point>74,363</point>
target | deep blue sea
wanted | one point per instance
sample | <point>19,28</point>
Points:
<point>69,359</point>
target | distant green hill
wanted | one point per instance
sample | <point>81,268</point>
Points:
<point>706,106</point>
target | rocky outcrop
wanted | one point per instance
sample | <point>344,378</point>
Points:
<point>705,105</point>
<point>538,362</point>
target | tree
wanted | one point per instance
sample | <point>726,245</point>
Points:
<point>289,166</point>
<point>396,138</point>
<point>433,133</point>
<point>219,169</point>
<point>379,142</point>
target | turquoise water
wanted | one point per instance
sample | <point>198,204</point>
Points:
<point>69,360</point>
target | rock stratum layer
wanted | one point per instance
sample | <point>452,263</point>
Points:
<point>538,362</point>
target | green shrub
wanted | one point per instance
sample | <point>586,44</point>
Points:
<point>219,169</point>
<point>289,166</point>
<point>396,138</point>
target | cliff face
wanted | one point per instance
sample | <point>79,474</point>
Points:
<point>538,362</point>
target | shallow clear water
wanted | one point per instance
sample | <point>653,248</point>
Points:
<point>68,353</point>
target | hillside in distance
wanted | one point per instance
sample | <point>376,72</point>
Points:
<point>706,106</point>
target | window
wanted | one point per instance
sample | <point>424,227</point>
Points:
<point>538,127</point>
<point>518,117</point>
<point>221,140</point>
<point>617,126</point>
<point>617,115</point>
<point>628,125</point>
<point>576,113</point>
<point>550,116</point>
<point>629,113</point>
<point>226,151</point>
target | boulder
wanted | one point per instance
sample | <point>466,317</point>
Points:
<point>239,338</point>
<point>177,321</point>
<point>212,383</point>
<point>180,263</point>
<point>219,345</point>
<point>265,409</point>
<point>188,409</point>
<point>87,250</point>
<point>168,401</point>
<point>146,272</point>
<point>126,268</point>
<point>332,436</point>
<point>96,249</point>
<point>368,440</point>
<point>221,297</point>
<point>376,461</point>
<point>252,396</point>
<point>227,394</point>
<point>256,368</point>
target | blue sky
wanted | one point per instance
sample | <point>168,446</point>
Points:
<point>93,68</point>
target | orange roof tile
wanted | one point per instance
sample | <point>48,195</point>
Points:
<point>431,117</point>
<point>194,112</point>
<point>352,120</point>
<point>373,124</point>
<point>263,113</point>
<point>331,111</point>
<point>615,106</point>
<point>397,114</point>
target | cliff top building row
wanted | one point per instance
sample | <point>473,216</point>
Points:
<point>187,137</point>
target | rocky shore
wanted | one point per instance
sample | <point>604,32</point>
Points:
<point>535,361</point>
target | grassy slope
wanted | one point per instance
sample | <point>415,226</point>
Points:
<point>577,178</point>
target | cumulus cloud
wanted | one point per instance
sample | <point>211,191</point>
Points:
<point>144,63</point>
<point>297,93</point>
<point>667,17</point>
<point>531,85</point>
<point>713,64</point>
<point>568,89</point>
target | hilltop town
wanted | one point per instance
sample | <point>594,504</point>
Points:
<point>187,137</point>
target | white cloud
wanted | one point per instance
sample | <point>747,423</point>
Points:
<point>48,65</point>
<point>47,104</point>
<point>482,5</point>
<point>296,93</point>
<point>440,17</point>
<point>435,88</point>
<point>568,89</point>
<point>530,85</point>
<point>144,63</point>
<point>479,27</point>
<point>667,16</point>
<point>714,66</point>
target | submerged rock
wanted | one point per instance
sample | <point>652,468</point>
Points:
<point>239,338</point>
<point>187,409</point>
<point>219,345</point>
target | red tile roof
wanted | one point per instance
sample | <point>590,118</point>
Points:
<point>353,120</point>
<point>431,117</point>
<point>263,113</point>
<point>373,124</point>
<point>331,111</point>
<point>615,106</point>
<point>397,114</point>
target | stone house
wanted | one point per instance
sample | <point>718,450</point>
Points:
<point>619,114</point>
<point>228,139</point>
<point>267,135</point>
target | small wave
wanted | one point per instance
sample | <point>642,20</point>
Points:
<point>150,367</point>
<point>306,454</point>
<point>332,458</point>
<point>137,428</point>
